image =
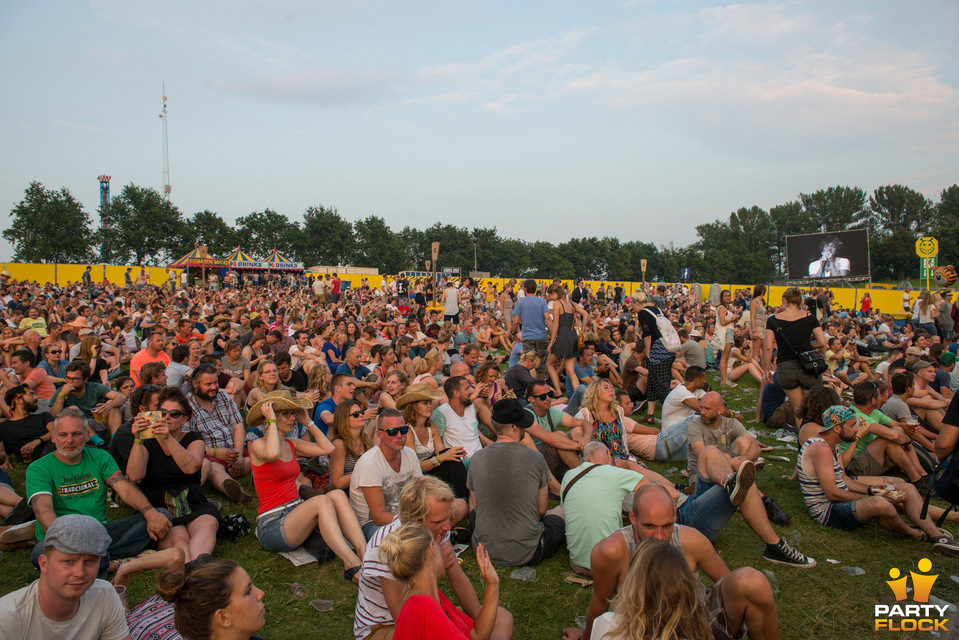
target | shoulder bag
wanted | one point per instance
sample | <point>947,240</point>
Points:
<point>811,360</point>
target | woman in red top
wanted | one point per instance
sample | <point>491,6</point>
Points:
<point>285,520</point>
<point>415,560</point>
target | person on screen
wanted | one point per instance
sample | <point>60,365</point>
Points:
<point>829,265</point>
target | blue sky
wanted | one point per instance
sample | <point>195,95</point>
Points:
<point>547,120</point>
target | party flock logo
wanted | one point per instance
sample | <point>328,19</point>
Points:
<point>920,616</point>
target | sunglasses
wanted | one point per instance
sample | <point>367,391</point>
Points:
<point>544,396</point>
<point>392,431</point>
<point>54,351</point>
<point>173,413</point>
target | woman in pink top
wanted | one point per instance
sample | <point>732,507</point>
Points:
<point>285,519</point>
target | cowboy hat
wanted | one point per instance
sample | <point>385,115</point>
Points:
<point>282,399</point>
<point>417,392</point>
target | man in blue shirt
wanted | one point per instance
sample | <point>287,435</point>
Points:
<point>532,313</point>
<point>584,371</point>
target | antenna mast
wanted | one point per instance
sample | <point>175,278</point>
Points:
<point>165,160</point>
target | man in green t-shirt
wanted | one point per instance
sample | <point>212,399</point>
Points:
<point>560,450</point>
<point>74,479</point>
<point>98,403</point>
<point>884,446</point>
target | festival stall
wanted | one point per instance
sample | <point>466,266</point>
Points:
<point>198,259</point>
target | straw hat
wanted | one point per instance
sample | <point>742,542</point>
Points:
<point>218,319</point>
<point>417,392</point>
<point>282,399</point>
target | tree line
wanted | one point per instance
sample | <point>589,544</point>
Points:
<point>748,246</point>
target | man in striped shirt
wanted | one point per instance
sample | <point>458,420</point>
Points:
<point>429,501</point>
<point>836,500</point>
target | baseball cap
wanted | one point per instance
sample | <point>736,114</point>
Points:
<point>947,359</point>
<point>78,534</point>
<point>835,416</point>
<point>913,351</point>
<point>511,411</point>
<point>921,364</point>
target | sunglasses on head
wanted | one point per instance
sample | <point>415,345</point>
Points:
<point>392,431</point>
<point>544,396</point>
<point>173,413</point>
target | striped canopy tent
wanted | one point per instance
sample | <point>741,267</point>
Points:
<point>197,259</point>
<point>276,261</point>
<point>240,260</point>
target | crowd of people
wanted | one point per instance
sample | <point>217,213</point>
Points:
<point>380,426</point>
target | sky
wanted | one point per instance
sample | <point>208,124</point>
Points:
<point>547,120</point>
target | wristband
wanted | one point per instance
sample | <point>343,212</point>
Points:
<point>137,441</point>
<point>147,508</point>
<point>437,458</point>
<point>215,449</point>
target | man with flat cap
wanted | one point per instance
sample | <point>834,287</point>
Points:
<point>67,600</point>
<point>507,482</point>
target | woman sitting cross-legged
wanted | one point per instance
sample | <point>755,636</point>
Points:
<point>166,461</point>
<point>284,520</point>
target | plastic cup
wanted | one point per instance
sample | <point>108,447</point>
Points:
<point>299,591</point>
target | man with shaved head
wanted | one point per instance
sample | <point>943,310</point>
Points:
<point>720,449</point>
<point>740,601</point>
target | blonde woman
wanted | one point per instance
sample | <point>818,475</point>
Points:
<point>427,368</point>
<point>416,561</point>
<point>660,597</point>
<point>267,380</point>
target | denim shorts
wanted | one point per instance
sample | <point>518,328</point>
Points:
<point>843,516</point>
<point>269,528</point>
<point>707,510</point>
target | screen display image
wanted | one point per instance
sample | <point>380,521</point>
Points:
<point>838,254</point>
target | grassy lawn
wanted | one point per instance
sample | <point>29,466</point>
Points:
<point>821,603</point>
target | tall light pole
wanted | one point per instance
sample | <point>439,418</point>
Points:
<point>475,242</point>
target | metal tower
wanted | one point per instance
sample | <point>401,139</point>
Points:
<point>165,161</point>
<point>104,207</point>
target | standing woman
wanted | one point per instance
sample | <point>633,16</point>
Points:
<point>506,303</point>
<point>415,560</point>
<point>757,330</point>
<point>659,359</point>
<point>167,467</point>
<point>284,520</point>
<point>798,329</point>
<point>725,330</point>
<point>562,338</point>
<point>928,312</point>
<point>424,438</point>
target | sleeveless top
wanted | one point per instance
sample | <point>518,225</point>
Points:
<point>423,451</point>
<point>274,481</point>
<point>759,322</point>
<point>818,505</point>
<point>609,433</point>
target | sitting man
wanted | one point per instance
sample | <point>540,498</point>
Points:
<point>720,447</point>
<point>74,479</point>
<point>382,472</point>
<point>885,445</point>
<point>100,404</point>
<point>508,488</point>
<point>560,451</point>
<point>67,600</point>
<point>458,419</point>
<point>928,404</point>
<point>592,500</point>
<point>217,419</point>
<point>27,435</point>
<point>836,500</point>
<point>683,401</point>
<point>430,502</point>
<point>740,601</point>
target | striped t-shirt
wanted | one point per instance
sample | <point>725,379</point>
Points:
<point>819,506</point>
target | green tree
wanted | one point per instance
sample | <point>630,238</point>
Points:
<point>143,228</point>
<point>377,246</point>
<point>328,237</point>
<point>836,208</point>
<point>898,208</point>
<point>49,226</point>
<point>264,231</point>
<point>207,228</point>
<point>787,219</point>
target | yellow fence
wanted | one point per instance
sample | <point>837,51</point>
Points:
<point>885,300</point>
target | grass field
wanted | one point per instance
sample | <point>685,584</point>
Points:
<point>823,603</point>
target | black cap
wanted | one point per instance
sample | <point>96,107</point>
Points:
<point>511,411</point>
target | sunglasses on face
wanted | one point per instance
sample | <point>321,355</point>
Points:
<point>173,413</point>
<point>356,414</point>
<point>393,431</point>
<point>544,396</point>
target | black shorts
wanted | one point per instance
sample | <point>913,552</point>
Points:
<point>454,319</point>
<point>554,533</point>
